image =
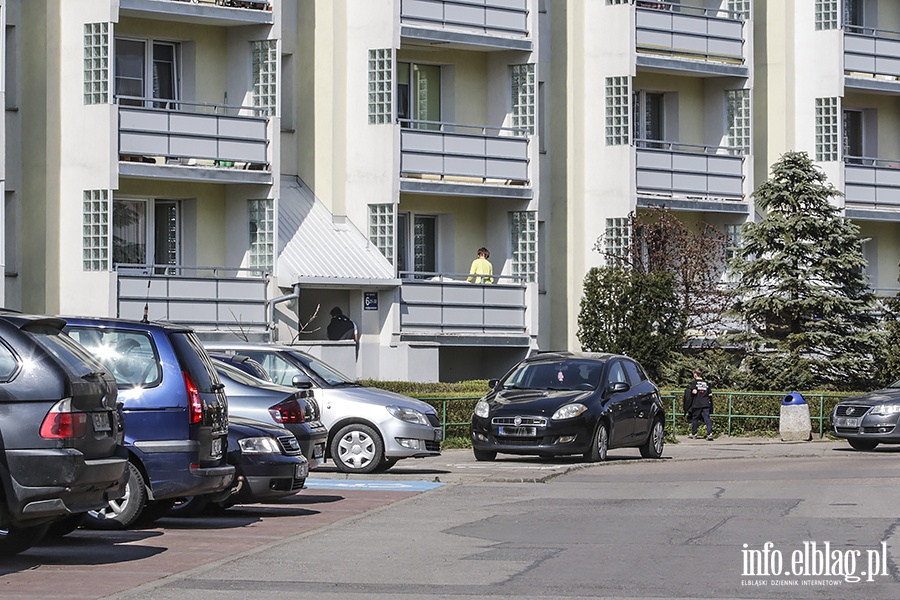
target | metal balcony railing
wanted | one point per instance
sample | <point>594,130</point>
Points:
<point>871,52</point>
<point>871,183</point>
<point>712,34</point>
<point>492,17</point>
<point>695,171</point>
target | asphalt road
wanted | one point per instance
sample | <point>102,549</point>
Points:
<point>814,517</point>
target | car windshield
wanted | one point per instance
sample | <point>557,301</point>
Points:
<point>896,384</point>
<point>569,374</point>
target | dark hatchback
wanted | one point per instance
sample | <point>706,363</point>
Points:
<point>175,413</point>
<point>869,419</point>
<point>564,403</point>
<point>61,439</point>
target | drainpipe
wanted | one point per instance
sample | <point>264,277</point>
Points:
<point>279,300</point>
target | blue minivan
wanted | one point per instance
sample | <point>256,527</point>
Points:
<point>175,414</point>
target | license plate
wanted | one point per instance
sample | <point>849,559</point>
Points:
<point>302,471</point>
<point>318,451</point>
<point>519,431</point>
<point>438,435</point>
<point>847,421</point>
<point>101,421</point>
<point>216,450</point>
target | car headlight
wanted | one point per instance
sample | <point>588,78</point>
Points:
<point>259,445</point>
<point>886,409</point>
<point>410,415</point>
<point>482,409</point>
<point>568,411</point>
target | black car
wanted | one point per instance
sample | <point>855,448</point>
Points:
<point>869,419</point>
<point>61,450</point>
<point>565,403</point>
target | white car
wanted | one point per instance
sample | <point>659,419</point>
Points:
<point>368,429</point>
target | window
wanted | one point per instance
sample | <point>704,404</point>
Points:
<point>855,16</point>
<point>739,121</point>
<point>648,118</point>
<point>96,63</point>
<point>381,228</point>
<point>739,8</point>
<point>853,135</point>
<point>523,97</point>
<point>826,14</point>
<point>617,238</point>
<point>130,356</point>
<point>617,111</point>
<point>146,69</point>
<point>95,230</point>
<point>265,75</point>
<point>417,244</point>
<point>616,373</point>
<point>523,237</point>
<point>380,68</point>
<point>732,246</point>
<point>826,129</point>
<point>146,232</point>
<point>262,234</point>
<point>419,95</point>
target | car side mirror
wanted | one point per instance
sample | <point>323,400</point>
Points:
<point>618,387</point>
<point>492,383</point>
<point>301,382</point>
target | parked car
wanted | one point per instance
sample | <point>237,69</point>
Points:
<point>61,437</point>
<point>564,403</point>
<point>244,363</point>
<point>294,409</point>
<point>368,429</point>
<point>175,412</point>
<point>268,465</point>
<point>869,419</point>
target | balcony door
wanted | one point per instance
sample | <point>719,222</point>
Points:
<point>146,232</point>
<point>416,244</point>
<point>648,111</point>
<point>418,94</point>
<point>853,136</point>
<point>146,69</point>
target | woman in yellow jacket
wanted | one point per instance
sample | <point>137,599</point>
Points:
<point>481,266</point>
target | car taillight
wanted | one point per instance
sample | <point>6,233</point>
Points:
<point>62,423</point>
<point>195,403</point>
<point>289,411</point>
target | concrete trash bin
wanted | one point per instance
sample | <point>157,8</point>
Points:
<point>795,424</point>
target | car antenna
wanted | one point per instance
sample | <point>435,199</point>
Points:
<point>144,319</point>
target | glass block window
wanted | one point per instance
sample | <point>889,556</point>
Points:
<point>96,63</point>
<point>739,120</point>
<point>827,14</point>
<point>740,8</point>
<point>381,67</point>
<point>827,129</point>
<point>381,228</point>
<point>618,237</point>
<point>618,111</point>
<point>95,230</point>
<point>523,236</point>
<point>261,253</point>
<point>523,97</point>
<point>265,73</point>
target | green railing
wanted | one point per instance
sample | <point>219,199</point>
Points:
<point>451,410</point>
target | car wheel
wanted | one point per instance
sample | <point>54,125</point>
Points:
<point>385,464</point>
<point>122,512</point>
<point>600,445</point>
<point>64,526</point>
<point>653,447</point>
<point>862,444</point>
<point>189,506</point>
<point>15,539</point>
<point>357,448</point>
<point>484,455</point>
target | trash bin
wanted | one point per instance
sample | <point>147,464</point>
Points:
<point>795,424</point>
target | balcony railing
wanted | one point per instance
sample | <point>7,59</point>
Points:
<point>492,17</point>
<point>206,298</point>
<point>192,133</point>
<point>712,34</point>
<point>226,13</point>
<point>871,183</point>
<point>872,52</point>
<point>703,172</point>
<point>447,303</point>
<point>464,153</point>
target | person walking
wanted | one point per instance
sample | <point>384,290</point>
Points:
<point>481,266</point>
<point>698,404</point>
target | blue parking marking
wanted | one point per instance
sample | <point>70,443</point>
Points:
<point>371,484</point>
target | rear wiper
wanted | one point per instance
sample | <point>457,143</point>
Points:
<point>92,375</point>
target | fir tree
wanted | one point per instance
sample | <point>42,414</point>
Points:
<point>806,302</point>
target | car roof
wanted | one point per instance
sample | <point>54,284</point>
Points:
<point>564,355</point>
<point>125,323</point>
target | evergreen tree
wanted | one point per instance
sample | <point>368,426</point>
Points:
<point>803,293</point>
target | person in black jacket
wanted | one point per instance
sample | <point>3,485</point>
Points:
<point>698,404</point>
<point>341,327</point>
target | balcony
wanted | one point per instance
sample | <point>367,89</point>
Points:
<point>206,298</point>
<point>484,24</point>
<point>434,304</point>
<point>872,59</point>
<point>872,188</point>
<point>452,159</point>
<point>192,141</point>
<point>690,176</point>
<point>697,39</point>
<point>221,13</point>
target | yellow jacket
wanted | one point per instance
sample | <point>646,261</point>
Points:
<point>481,266</point>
